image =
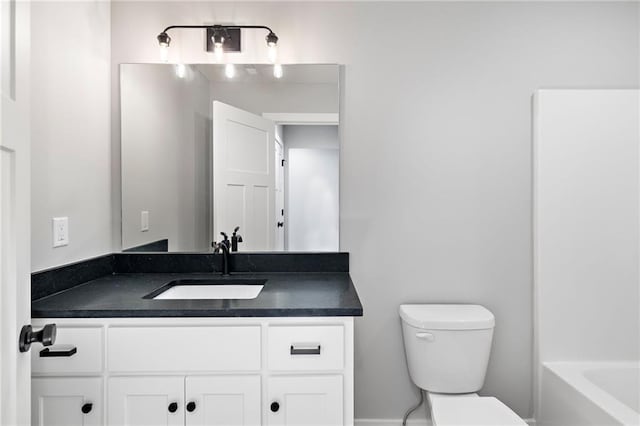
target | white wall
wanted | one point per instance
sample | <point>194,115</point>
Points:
<point>586,225</point>
<point>435,166</point>
<point>70,166</point>
<point>166,156</point>
<point>312,188</point>
<point>264,97</point>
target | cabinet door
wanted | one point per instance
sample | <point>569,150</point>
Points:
<point>66,402</point>
<point>305,401</point>
<point>145,401</point>
<point>223,401</point>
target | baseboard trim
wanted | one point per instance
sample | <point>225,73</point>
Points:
<point>389,422</point>
<point>410,422</point>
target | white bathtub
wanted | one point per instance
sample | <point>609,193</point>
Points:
<point>589,393</point>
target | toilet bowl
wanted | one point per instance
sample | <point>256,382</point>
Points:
<point>447,349</point>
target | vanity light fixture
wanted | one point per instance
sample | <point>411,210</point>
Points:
<point>225,38</point>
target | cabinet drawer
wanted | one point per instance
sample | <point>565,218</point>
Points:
<point>309,348</point>
<point>86,359</point>
<point>183,349</point>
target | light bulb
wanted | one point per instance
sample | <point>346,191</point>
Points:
<point>181,70</point>
<point>229,70</point>
<point>164,41</point>
<point>218,51</point>
<point>277,71</point>
<point>218,45</point>
<point>272,45</point>
<point>273,52</point>
<point>164,52</point>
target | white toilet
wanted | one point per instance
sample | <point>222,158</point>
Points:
<point>447,348</point>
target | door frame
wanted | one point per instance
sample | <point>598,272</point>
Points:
<point>308,119</point>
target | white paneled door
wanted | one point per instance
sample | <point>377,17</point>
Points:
<point>223,400</point>
<point>243,176</point>
<point>14,210</point>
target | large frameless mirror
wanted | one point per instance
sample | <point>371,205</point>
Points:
<point>205,152</point>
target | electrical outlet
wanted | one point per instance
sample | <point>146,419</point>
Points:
<point>60,231</point>
<point>144,221</point>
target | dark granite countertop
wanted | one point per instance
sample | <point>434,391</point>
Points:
<point>290,294</point>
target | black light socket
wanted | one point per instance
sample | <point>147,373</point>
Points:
<point>272,38</point>
<point>164,39</point>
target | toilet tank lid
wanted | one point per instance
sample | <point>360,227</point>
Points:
<point>447,317</point>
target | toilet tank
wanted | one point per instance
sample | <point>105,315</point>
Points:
<point>447,346</point>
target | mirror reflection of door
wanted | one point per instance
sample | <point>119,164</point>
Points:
<point>243,176</point>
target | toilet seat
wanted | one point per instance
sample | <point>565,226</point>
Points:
<point>471,410</point>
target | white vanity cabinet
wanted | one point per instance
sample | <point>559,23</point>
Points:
<point>196,372</point>
<point>191,400</point>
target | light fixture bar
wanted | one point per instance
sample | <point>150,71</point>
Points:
<point>233,32</point>
<point>225,38</point>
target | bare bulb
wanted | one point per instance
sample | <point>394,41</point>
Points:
<point>230,70</point>
<point>272,52</point>
<point>164,52</point>
<point>218,51</point>
<point>277,71</point>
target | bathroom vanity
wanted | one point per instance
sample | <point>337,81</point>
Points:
<point>283,358</point>
<point>167,338</point>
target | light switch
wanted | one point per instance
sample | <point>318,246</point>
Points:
<point>60,231</point>
<point>144,221</point>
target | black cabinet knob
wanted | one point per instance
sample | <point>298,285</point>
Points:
<point>86,408</point>
<point>275,407</point>
<point>191,406</point>
<point>173,407</point>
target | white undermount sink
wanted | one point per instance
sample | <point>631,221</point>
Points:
<point>208,289</point>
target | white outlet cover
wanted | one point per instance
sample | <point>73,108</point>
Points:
<point>60,231</point>
<point>144,221</point>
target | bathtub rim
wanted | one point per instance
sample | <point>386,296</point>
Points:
<point>572,373</point>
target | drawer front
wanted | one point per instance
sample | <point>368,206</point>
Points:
<point>183,349</point>
<point>87,358</point>
<point>311,348</point>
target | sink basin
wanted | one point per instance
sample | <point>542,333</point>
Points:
<point>203,289</point>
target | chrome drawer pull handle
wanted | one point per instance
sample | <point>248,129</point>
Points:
<point>305,351</point>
